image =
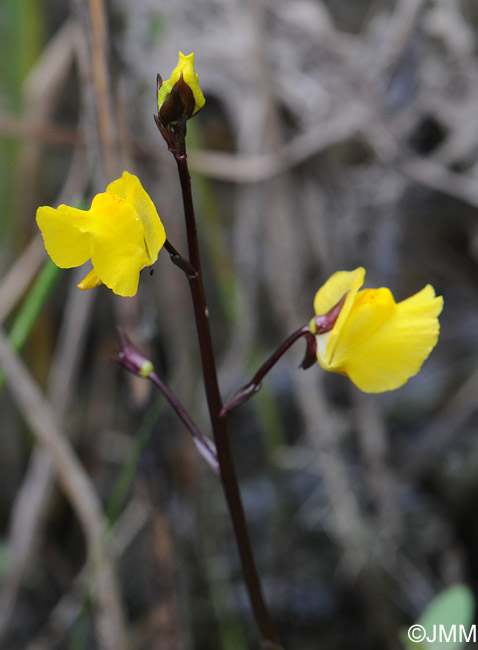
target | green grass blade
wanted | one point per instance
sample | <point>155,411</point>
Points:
<point>32,306</point>
<point>126,476</point>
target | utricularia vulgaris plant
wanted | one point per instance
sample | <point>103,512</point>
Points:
<point>360,333</point>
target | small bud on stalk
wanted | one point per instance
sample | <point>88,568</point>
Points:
<point>131,358</point>
<point>179,99</point>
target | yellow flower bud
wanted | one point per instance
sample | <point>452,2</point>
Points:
<point>180,95</point>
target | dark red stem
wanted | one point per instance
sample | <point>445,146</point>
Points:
<point>136,362</point>
<point>214,401</point>
<point>204,446</point>
<point>322,324</point>
<point>249,389</point>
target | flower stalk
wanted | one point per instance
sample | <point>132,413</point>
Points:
<point>134,361</point>
<point>321,325</point>
<point>251,388</point>
<point>177,146</point>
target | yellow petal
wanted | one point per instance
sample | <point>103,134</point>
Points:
<point>184,67</point>
<point>65,235</point>
<point>339,284</point>
<point>129,188</point>
<point>90,282</point>
<point>371,310</point>
<point>118,247</point>
<point>336,286</point>
<point>394,350</point>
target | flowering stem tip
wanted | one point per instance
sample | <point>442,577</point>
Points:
<point>180,97</point>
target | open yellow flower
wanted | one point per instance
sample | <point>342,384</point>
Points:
<point>378,343</point>
<point>121,233</point>
<point>184,69</point>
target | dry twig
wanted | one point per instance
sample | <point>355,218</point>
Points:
<point>78,488</point>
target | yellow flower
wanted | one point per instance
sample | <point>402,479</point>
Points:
<point>378,343</point>
<point>121,233</point>
<point>184,69</point>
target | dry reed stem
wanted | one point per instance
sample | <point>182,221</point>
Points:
<point>20,275</point>
<point>77,486</point>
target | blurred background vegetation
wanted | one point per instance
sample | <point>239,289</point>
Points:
<point>335,134</point>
